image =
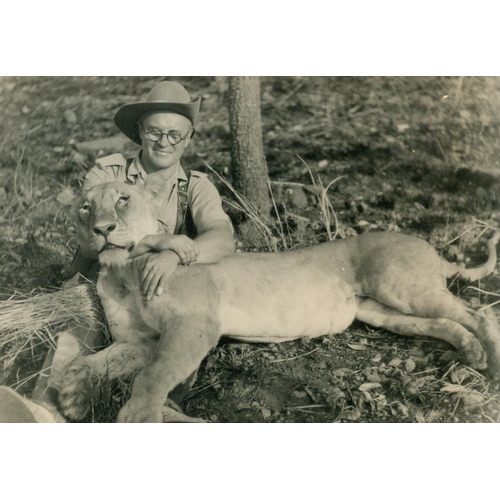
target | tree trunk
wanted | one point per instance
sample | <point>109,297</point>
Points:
<point>248,167</point>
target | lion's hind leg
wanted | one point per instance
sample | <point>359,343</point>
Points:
<point>119,360</point>
<point>381,316</point>
<point>428,299</point>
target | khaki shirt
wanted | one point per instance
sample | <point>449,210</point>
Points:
<point>203,198</point>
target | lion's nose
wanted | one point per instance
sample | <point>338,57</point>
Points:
<point>104,229</point>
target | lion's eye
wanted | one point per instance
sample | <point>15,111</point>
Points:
<point>123,199</point>
<point>85,207</point>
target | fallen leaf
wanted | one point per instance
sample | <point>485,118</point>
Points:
<point>369,386</point>
<point>266,412</point>
<point>357,347</point>
<point>451,388</point>
<point>352,415</point>
<point>243,406</point>
<point>395,362</point>
<point>343,372</point>
<point>471,398</point>
<point>410,365</point>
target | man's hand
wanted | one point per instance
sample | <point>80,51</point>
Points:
<point>184,247</point>
<point>155,269</point>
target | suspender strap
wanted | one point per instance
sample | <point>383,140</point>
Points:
<point>185,223</point>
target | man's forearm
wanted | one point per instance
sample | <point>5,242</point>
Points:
<point>214,245</point>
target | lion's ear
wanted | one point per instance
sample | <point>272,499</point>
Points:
<point>70,201</point>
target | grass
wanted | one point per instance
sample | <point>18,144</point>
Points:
<point>30,322</point>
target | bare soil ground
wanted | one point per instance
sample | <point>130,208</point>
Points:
<point>416,155</point>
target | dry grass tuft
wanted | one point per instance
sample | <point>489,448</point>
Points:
<point>30,321</point>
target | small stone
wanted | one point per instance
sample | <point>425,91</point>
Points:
<point>266,413</point>
<point>109,144</point>
<point>70,117</point>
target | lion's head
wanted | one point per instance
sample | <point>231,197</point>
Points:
<point>112,218</point>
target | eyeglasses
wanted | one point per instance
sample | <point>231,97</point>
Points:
<point>156,135</point>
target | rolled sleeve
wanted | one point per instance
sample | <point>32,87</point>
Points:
<point>206,204</point>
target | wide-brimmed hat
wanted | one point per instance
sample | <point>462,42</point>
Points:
<point>166,96</point>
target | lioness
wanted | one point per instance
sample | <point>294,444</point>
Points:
<point>387,280</point>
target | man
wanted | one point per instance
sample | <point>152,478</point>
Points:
<point>196,228</point>
<point>163,125</point>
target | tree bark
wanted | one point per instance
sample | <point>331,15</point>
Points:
<point>248,167</point>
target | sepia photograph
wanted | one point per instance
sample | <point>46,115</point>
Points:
<point>245,249</point>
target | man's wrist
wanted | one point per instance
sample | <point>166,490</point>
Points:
<point>176,256</point>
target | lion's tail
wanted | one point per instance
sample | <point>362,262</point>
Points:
<point>480,272</point>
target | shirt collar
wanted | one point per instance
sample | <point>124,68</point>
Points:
<point>137,169</point>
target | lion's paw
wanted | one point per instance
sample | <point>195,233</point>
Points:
<point>171,415</point>
<point>473,354</point>
<point>136,411</point>
<point>493,370</point>
<point>76,391</point>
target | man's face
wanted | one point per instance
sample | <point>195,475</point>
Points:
<point>161,155</point>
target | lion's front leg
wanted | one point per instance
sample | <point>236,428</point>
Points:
<point>180,352</point>
<point>119,360</point>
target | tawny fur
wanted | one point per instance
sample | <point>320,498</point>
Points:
<point>388,280</point>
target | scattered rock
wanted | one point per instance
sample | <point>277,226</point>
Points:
<point>70,117</point>
<point>296,197</point>
<point>110,144</point>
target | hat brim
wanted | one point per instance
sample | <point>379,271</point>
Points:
<point>127,116</point>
